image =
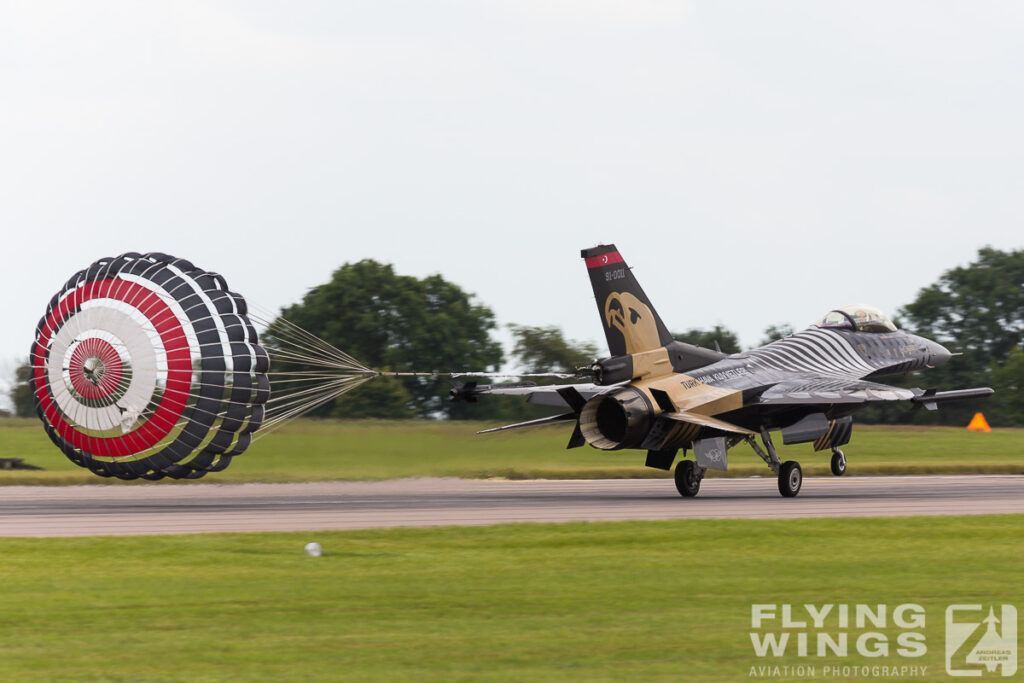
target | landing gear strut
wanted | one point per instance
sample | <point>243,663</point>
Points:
<point>771,458</point>
<point>838,462</point>
<point>688,477</point>
<point>789,472</point>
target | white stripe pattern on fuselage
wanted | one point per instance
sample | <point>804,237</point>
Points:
<point>813,350</point>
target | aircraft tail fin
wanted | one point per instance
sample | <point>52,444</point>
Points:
<point>631,325</point>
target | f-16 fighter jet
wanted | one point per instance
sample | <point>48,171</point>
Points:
<point>664,396</point>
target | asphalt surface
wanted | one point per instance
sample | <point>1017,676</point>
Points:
<point>177,509</point>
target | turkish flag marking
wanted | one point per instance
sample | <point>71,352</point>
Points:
<point>603,260</point>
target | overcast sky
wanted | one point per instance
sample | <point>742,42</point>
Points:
<point>755,162</point>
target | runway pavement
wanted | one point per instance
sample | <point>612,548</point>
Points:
<point>195,508</point>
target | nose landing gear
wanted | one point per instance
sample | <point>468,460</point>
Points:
<point>838,462</point>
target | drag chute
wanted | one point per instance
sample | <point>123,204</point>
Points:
<point>146,366</point>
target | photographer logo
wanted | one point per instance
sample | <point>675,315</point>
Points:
<point>981,642</point>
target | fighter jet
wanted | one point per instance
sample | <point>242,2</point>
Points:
<point>663,396</point>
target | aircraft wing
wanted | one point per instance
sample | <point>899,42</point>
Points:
<point>828,391</point>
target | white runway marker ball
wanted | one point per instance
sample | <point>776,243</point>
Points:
<point>314,550</point>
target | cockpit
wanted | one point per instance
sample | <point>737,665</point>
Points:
<point>857,317</point>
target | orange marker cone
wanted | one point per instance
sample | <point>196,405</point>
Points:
<point>978,424</point>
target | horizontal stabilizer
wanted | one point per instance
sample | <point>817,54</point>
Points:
<point>705,421</point>
<point>468,391</point>
<point>554,419</point>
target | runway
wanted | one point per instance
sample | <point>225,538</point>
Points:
<point>199,508</point>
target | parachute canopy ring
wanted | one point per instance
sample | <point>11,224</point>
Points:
<point>146,366</point>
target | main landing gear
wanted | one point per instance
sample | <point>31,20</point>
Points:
<point>791,477</point>
<point>688,477</point>
<point>689,474</point>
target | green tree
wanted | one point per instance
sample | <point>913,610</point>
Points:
<point>978,307</point>
<point>381,397</point>
<point>399,322</point>
<point>545,349</point>
<point>776,332</point>
<point>726,338</point>
<point>21,392</point>
<point>1008,381</point>
<point>975,310</point>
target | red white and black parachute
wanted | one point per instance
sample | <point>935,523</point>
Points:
<point>146,366</point>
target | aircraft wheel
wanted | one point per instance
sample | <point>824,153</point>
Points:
<point>790,478</point>
<point>838,463</point>
<point>687,480</point>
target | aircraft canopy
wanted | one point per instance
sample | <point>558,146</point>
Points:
<point>858,317</point>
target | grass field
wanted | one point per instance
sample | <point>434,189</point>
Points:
<point>614,601</point>
<point>310,450</point>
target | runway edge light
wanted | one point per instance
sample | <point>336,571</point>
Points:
<point>978,424</point>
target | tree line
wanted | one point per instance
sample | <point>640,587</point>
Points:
<point>402,323</point>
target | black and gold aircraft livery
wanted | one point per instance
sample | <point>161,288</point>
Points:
<point>661,395</point>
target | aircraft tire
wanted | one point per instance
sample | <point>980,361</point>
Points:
<point>790,479</point>
<point>838,463</point>
<point>687,481</point>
